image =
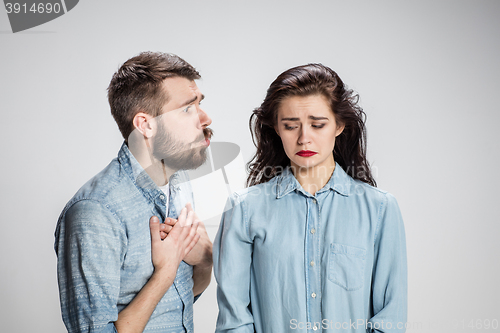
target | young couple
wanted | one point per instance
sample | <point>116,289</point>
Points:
<point>310,246</point>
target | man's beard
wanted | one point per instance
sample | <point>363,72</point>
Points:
<point>177,155</point>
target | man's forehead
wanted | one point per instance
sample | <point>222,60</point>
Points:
<point>180,91</point>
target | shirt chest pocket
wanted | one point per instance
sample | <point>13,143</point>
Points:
<point>346,266</point>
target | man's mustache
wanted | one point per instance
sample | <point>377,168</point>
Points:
<point>207,132</point>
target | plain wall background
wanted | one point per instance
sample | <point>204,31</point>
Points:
<point>428,77</point>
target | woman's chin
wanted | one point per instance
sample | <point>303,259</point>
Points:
<point>312,164</point>
<point>303,164</point>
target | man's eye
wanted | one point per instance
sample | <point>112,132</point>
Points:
<point>318,126</point>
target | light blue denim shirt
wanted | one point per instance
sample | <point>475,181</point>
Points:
<point>288,261</point>
<point>103,246</point>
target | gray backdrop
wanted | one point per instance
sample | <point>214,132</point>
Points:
<point>427,73</point>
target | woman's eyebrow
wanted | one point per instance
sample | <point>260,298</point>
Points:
<point>310,117</point>
<point>318,118</point>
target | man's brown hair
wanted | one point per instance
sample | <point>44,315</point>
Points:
<point>137,86</point>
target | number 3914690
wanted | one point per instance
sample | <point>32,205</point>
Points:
<point>36,8</point>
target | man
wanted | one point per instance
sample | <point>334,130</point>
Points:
<point>115,272</point>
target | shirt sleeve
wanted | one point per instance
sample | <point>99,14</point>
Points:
<point>389,282</point>
<point>232,264</point>
<point>91,248</point>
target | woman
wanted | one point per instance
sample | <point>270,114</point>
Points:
<point>311,245</point>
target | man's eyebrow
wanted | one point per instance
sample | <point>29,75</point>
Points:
<point>192,100</point>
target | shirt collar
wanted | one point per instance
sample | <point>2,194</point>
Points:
<point>339,182</point>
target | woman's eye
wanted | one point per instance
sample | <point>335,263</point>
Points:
<point>289,127</point>
<point>186,109</point>
<point>318,126</point>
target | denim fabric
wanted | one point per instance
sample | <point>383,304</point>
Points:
<point>103,246</point>
<point>288,261</point>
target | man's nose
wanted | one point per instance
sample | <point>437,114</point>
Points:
<point>205,120</point>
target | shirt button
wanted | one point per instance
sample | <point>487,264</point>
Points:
<point>315,201</point>
<point>313,295</point>
<point>315,327</point>
<point>313,231</point>
<point>162,197</point>
<point>312,263</point>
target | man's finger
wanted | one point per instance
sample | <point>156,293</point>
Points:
<point>189,218</point>
<point>154,227</point>
<point>195,227</point>
<point>192,231</point>
<point>165,228</point>
<point>195,240</point>
<point>186,229</point>
<point>170,221</point>
<point>191,236</point>
<point>182,217</point>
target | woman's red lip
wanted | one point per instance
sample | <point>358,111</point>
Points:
<point>306,153</point>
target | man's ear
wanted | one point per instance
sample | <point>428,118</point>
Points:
<point>144,123</point>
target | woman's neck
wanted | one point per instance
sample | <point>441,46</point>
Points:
<point>314,178</point>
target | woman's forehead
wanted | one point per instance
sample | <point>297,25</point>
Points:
<point>304,107</point>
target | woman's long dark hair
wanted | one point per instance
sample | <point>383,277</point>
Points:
<point>350,146</point>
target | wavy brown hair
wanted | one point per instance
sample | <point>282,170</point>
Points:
<point>312,79</point>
